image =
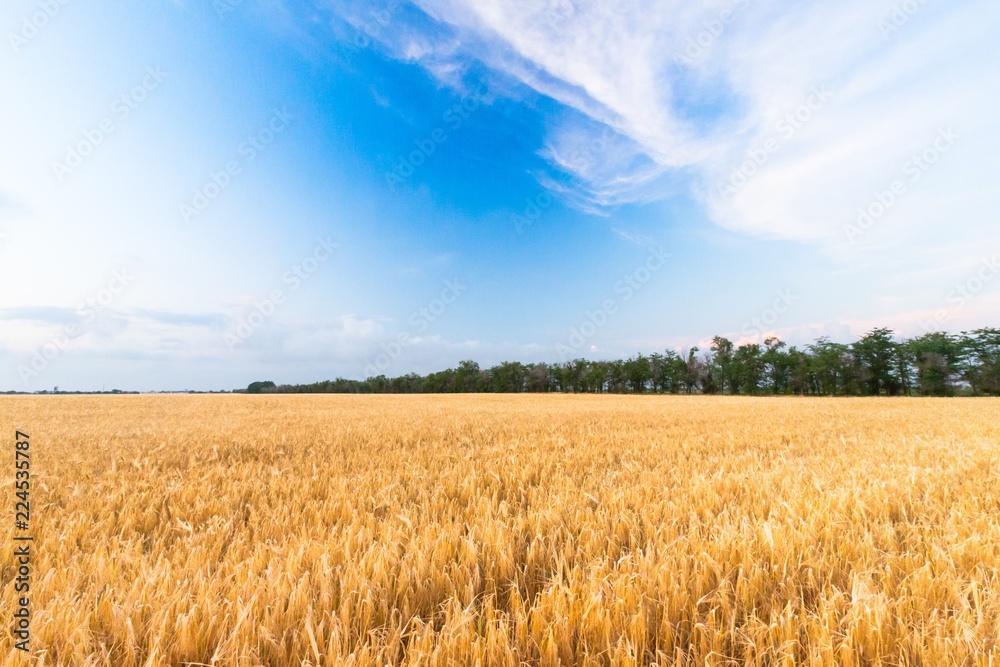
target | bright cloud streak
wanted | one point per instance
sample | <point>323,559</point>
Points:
<point>892,80</point>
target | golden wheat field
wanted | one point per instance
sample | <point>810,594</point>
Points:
<point>507,530</point>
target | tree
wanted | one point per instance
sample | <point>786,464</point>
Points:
<point>616,377</point>
<point>265,387</point>
<point>830,367</point>
<point>776,365</point>
<point>558,375</point>
<point>937,357</point>
<point>876,353</point>
<point>412,384</point>
<point>693,369</point>
<point>572,375</point>
<point>596,376</point>
<point>935,364</point>
<point>748,369</point>
<point>981,369</point>
<point>539,378</point>
<point>442,382</point>
<point>799,371</point>
<point>508,377</point>
<point>723,362</point>
<point>467,376</point>
<point>638,373</point>
<point>667,372</point>
<point>676,371</point>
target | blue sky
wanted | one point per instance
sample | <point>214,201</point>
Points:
<point>198,195</point>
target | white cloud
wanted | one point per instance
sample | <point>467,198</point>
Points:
<point>627,66</point>
<point>47,344</point>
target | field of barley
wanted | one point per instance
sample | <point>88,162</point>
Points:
<point>506,530</point>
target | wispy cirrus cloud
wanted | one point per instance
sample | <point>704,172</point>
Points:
<point>692,92</point>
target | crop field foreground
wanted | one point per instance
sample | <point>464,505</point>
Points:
<point>507,530</point>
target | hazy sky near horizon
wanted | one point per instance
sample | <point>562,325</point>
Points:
<point>195,195</point>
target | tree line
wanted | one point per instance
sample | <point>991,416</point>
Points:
<point>934,364</point>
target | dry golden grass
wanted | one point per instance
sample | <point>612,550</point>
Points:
<point>508,530</point>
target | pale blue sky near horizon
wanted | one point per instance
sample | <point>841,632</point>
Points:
<point>199,195</point>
